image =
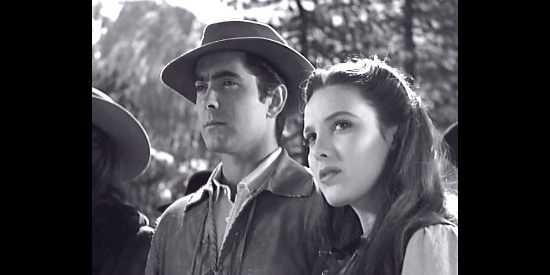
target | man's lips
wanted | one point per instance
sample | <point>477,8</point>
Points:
<point>213,123</point>
<point>328,172</point>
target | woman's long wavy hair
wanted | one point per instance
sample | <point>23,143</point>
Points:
<point>105,176</point>
<point>412,182</point>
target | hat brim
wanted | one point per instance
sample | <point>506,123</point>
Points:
<point>293,67</point>
<point>127,134</point>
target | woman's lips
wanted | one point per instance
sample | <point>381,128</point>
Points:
<point>328,173</point>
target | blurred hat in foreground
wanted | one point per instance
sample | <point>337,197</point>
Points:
<point>125,131</point>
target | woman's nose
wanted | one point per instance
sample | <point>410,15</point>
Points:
<point>320,149</point>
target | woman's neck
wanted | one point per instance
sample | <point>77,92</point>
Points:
<point>367,209</point>
<point>367,220</point>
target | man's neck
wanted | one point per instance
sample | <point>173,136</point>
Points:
<point>235,168</point>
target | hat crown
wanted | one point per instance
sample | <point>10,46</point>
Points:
<point>239,29</point>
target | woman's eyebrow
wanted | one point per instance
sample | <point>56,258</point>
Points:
<point>308,129</point>
<point>339,113</point>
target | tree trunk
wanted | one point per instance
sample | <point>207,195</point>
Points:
<point>303,28</point>
<point>410,54</point>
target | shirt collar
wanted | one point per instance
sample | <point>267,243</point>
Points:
<point>252,181</point>
<point>285,177</point>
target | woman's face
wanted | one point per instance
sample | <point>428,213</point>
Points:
<point>347,149</point>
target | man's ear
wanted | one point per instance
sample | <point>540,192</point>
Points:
<point>278,100</point>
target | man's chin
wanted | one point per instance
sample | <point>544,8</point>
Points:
<point>216,146</point>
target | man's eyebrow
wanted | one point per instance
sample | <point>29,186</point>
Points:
<point>218,75</point>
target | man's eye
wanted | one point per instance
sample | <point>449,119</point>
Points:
<point>309,139</point>
<point>200,87</point>
<point>229,83</point>
<point>341,125</point>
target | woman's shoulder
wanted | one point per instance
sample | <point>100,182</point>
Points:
<point>437,236</point>
<point>437,232</point>
<point>432,250</point>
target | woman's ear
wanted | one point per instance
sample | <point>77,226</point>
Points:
<point>277,103</point>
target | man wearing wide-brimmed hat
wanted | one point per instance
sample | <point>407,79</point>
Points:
<point>259,212</point>
<point>120,152</point>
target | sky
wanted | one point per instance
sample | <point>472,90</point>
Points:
<point>206,11</point>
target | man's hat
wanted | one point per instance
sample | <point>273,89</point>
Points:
<point>451,138</point>
<point>125,131</point>
<point>248,36</point>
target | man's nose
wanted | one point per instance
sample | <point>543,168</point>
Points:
<point>210,99</point>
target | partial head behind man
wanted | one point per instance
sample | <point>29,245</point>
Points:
<point>194,183</point>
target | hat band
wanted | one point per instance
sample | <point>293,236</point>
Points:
<point>234,31</point>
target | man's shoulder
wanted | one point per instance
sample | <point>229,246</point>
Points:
<point>174,214</point>
<point>184,203</point>
<point>179,205</point>
<point>292,179</point>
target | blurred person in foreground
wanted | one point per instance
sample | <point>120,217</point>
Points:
<point>120,152</point>
<point>259,212</point>
<point>373,147</point>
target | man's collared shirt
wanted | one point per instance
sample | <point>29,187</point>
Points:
<point>281,227</point>
<point>226,211</point>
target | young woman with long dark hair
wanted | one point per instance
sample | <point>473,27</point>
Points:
<point>374,147</point>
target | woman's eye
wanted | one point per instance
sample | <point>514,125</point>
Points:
<point>309,139</point>
<point>341,125</point>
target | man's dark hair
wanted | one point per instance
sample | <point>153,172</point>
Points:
<point>268,80</point>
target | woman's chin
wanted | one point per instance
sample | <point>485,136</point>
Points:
<point>336,201</point>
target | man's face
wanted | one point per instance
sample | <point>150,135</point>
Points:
<point>231,116</point>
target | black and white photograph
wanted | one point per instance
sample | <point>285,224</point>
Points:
<point>275,137</point>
